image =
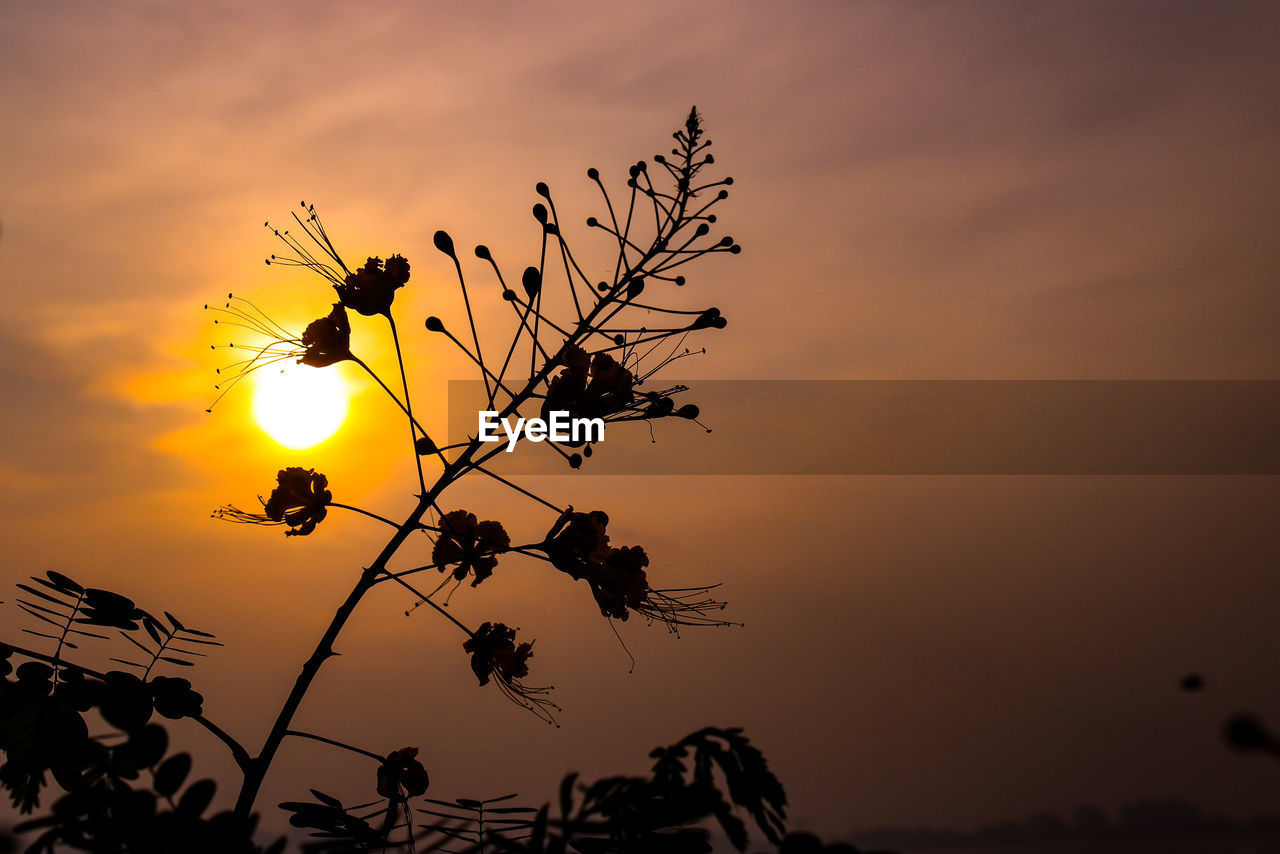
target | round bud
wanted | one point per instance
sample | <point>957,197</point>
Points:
<point>444,243</point>
<point>532,281</point>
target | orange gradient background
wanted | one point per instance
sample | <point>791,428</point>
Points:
<point>944,191</point>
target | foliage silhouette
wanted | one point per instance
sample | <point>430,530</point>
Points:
<point>590,348</point>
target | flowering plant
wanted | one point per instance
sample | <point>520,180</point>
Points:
<point>600,359</point>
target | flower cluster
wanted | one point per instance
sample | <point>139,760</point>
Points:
<point>495,655</point>
<point>371,289</point>
<point>327,340</point>
<point>470,544</point>
<point>576,541</point>
<point>598,363</point>
<point>401,775</point>
<point>589,387</point>
<point>578,546</point>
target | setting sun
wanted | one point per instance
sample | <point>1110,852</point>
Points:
<point>299,406</point>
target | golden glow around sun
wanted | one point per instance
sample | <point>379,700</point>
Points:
<point>300,406</point>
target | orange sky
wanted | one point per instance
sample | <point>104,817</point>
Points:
<point>1009,190</point>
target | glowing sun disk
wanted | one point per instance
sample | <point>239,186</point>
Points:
<point>300,406</point>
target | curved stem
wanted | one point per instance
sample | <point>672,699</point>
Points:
<point>488,374</point>
<point>519,489</point>
<point>427,599</point>
<point>383,519</point>
<point>408,406</point>
<point>396,576</point>
<point>238,753</point>
<point>333,741</point>
<point>368,370</point>
<point>57,653</point>
<point>258,766</point>
<point>471,321</point>
<point>155,656</point>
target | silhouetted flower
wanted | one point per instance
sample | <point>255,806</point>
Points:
<point>397,269</point>
<point>578,546</point>
<point>470,544</point>
<point>324,342</point>
<point>300,500</point>
<point>577,540</point>
<point>589,387</point>
<point>401,769</point>
<point>327,340</point>
<point>618,582</point>
<point>494,654</point>
<point>610,384</point>
<point>371,289</point>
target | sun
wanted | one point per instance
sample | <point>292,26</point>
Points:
<point>299,406</point>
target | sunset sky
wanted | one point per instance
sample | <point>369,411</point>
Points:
<point>944,190</point>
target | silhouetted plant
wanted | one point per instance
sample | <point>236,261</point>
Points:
<point>593,351</point>
<point>108,805</point>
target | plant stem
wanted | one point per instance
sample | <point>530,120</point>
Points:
<point>334,742</point>
<point>408,407</point>
<point>413,421</point>
<point>57,653</point>
<point>363,512</point>
<point>260,764</point>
